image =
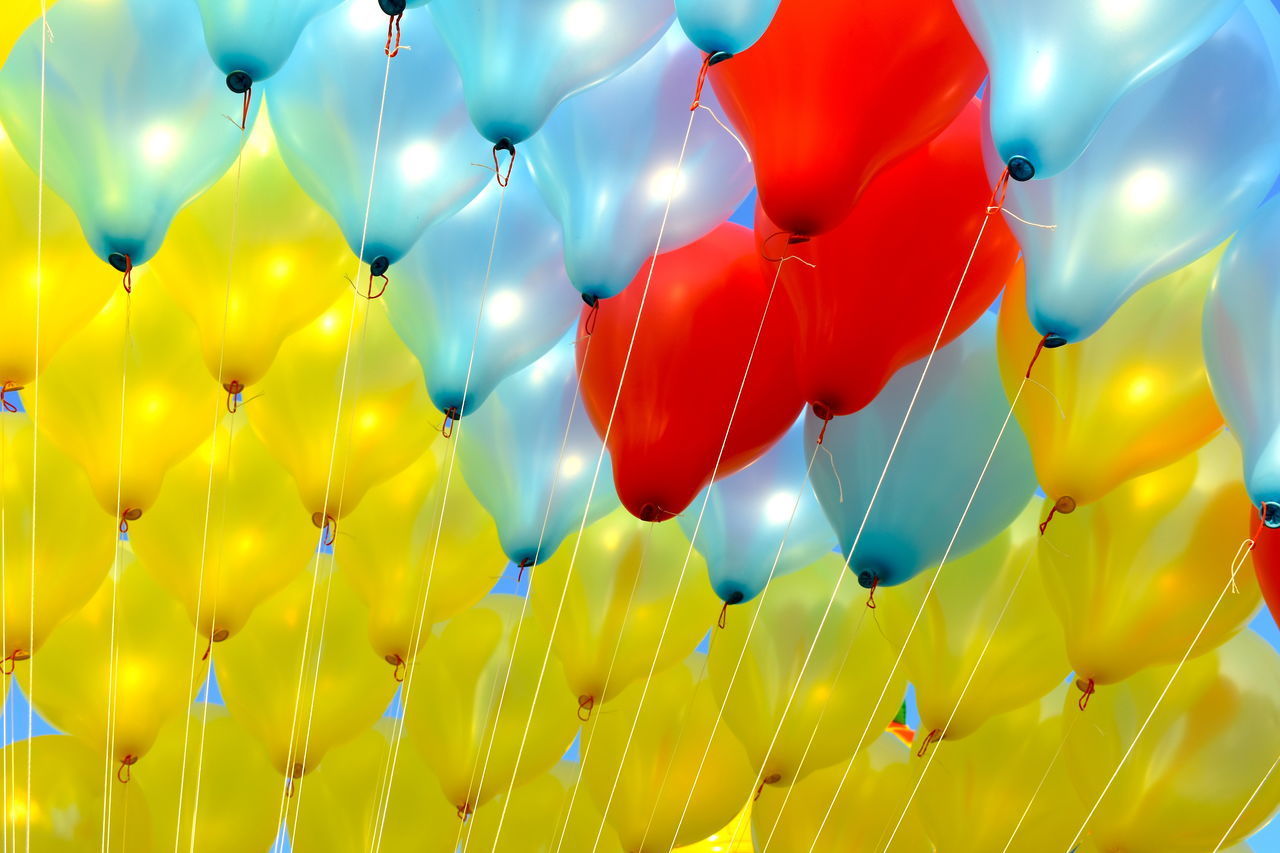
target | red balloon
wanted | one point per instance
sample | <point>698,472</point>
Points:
<point>836,90</point>
<point>691,351</point>
<point>1266,563</point>
<point>883,278</point>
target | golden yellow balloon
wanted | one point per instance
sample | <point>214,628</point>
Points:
<point>795,723</point>
<point>987,640</point>
<point>1133,397</point>
<point>733,837</point>
<point>226,533</point>
<point>535,819</point>
<point>469,718</point>
<point>1204,754</point>
<point>1133,577</point>
<point>625,580</point>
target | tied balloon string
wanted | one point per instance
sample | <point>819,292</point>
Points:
<point>933,736</point>
<point>871,593</point>
<point>5,389</point>
<point>792,240</point>
<point>328,524</point>
<point>709,60</point>
<point>1034,356</point>
<point>127,274</point>
<point>244,114</point>
<point>399,663</point>
<point>999,193</point>
<point>504,144</point>
<point>10,661</point>
<point>393,36</point>
<point>233,389</point>
<point>521,566</point>
<point>1246,547</point>
<point>593,314</point>
<point>464,811</point>
<point>1087,689</point>
<point>129,514</point>
<point>451,416</point>
<point>724,616</point>
<point>1064,505</point>
<point>585,704</point>
<point>124,772</point>
<point>768,780</point>
<point>369,294</point>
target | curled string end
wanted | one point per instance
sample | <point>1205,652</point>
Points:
<point>933,736</point>
<point>5,389</point>
<point>1086,688</point>
<point>724,616</point>
<point>585,704</point>
<point>124,772</point>
<point>399,663</point>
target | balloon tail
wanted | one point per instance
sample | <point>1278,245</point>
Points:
<point>393,36</point>
<point>328,524</point>
<point>823,412</point>
<point>124,772</point>
<point>1065,505</point>
<point>244,114</point>
<point>5,389</point>
<point>233,389</point>
<point>208,650</point>
<point>759,791</point>
<point>127,274</point>
<point>129,514</point>
<point>507,145</point>
<point>521,566</point>
<point>724,615</point>
<point>288,788</point>
<point>771,779</point>
<point>1086,691</point>
<point>585,704</point>
<point>933,736</point>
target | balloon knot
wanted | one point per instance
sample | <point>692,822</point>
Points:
<point>5,389</point>
<point>521,566</point>
<point>398,662</point>
<point>1085,686</point>
<point>826,420</point>
<point>10,661</point>
<point>724,615</point>
<point>288,788</point>
<point>233,389</point>
<point>792,240</point>
<point>871,591</point>
<point>392,49</point>
<point>129,514</point>
<point>464,811</point>
<point>593,314</point>
<point>328,524</point>
<point>1065,505</point>
<point>124,772</point>
<point>996,204</point>
<point>451,416</point>
<point>123,263</point>
<point>710,60</point>
<point>585,704</point>
<point>507,145</point>
<point>208,649</point>
<point>933,736</point>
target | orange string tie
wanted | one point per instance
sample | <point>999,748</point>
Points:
<point>759,791</point>
<point>585,704</point>
<point>451,416</point>
<point>724,615</point>
<point>328,524</point>
<point>708,61</point>
<point>5,389</point>
<point>871,593</point>
<point>521,566</point>
<point>123,263</point>
<point>123,772</point>
<point>464,811</point>
<point>929,739</point>
<point>1086,690</point>
<point>10,661</point>
<point>996,204</point>
<point>393,24</point>
<point>208,650</point>
<point>1065,505</point>
<point>127,516</point>
<point>233,389</point>
<point>398,662</point>
<point>589,324</point>
<point>507,145</point>
<point>369,294</point>
<point>1257,531</point>
<point>244,115</point>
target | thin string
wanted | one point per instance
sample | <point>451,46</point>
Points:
<point>6,775</point>
<point>1245,807</point>
<point>1076,718</point>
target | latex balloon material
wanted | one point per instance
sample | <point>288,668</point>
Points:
<point>1115,232</point>
<point>621,599</point>
<point>124,172</point>
<point>741,534</point>
<point>1197,777</point>
<point>15,19</point>
<point>548,51</point>
<point>300,694</point>
<point>1132,398</point>
<point>1057,70</point>
<point>1147,561</point>
<point>701,387</point>
<point>461,725</point>
<point>472,318</point>
<point>903,79</point>
<point>227,532</point>
<point>794,723</point>
<point>329,126</point>
<point>530,455</point>
<point>725,26</point>
<point>256,38</point>
<point>873,293</point>
<point>1266,565</point>
<point>613,212</point>
<point>986,640</point>
<point>922,510</point>
<point>537,818</point>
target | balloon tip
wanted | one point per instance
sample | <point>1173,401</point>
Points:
<point>868,579</point>
<point>220,635</point>
<point>591,299</point>
<point>119,261</point>
<point>1271,514</point>
<point>379,265</point>
<point>1052,341</point>
<point>734,598</point>
<point>239,82</point>
<point>1020,168</point>
<point>718,57</point>
<point>392,7</point>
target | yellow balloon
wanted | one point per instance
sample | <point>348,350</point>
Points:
<point>643,762</point>
<point>1133,397</point>
<point>226,533</point>
<point>836,697</point>
<point>1133,577</point>
<point>625,580</point>
<point>862,811</point>
<point>154,679</point>
<point>74,545</point>
<point>733,837</point>
<point>394,543</point>
<point>469,720</point>
<point>963,672</point>
<point>535,820</point>
<point>298,677</point>
<point>348,354</point>
<point>1203,755</point>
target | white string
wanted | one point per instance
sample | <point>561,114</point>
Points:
<point>1245,807</point>
<point>1044,778</point>
<point>727,130</point>
<point>6,775</point>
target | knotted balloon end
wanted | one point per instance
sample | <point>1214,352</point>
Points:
<point>124,264</point>
<point>822,411</point>
<point>241,83</point>
<point>792,240</point>
<point>233,389</point>
<point>710,60</point>
<point>504,144</point>
<point>871,590</point>
<point>1049,341</point>
<point>378,269</point>
<point>451,416</point>
<point>521,566</point>
<point>129,514</point>
<point>10,661</point>
<point>1065,505</point>
<point>724,615</point>
<point>5,389</point>
<point>392,50</point>
<point>328,524</point>
<point>932,737</point>
<point>465,811</point>
<point>593,303</point>
<point>1020,168</point>
<point>1270,514</point>
<point>771,779</point>
<point>398,662</point>
<point>1086,688</point>
<point>124,772</point>
<point>585,704</point>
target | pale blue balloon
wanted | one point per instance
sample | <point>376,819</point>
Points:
<point>519,58</point>
<point>1058,67</point>
<point>255,37</point>
<point>944,447</point>
<point>435,299</point>
<point>628,132</point>
<point>1178,164</point>
<point>134,122</point>
<point>725,26</point>
<point>751,511</point>
<point>325,113</point>
<point>529,456</point>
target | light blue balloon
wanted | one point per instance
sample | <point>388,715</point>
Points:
<point>519,58</point>
<point>1057,68</point>
<point>725,26</point>
<point>524,469</point>
<point>1179,163</point>
<point>630,131</point>
<point>134,126</point>
<point>748,514</point>
<point>325,113</point>
<point>436,296</point>
<point>937,464</point>
<point>255,37</point>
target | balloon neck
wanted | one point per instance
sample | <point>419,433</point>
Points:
<point>711,59</point>
<point>328,524</point>
<point>451,417</point>
<point>127,515</point>
<point>1087,689</point>
<point>521,566</point>
<point>380,265</point>
<point>398,663</point>
<point>1052,341</point>
<point>654,513</point>
<point>123,263</point>
<point>465,810</point>
<point>585,704</point>
<point>124,772</point>
<point>220,635</point>
<point>1020,168</point>
<point>392,7</point>
<point>868,579</point>
<point>1271,514</point>
<point>239,82</point>
<point>1064,505</point>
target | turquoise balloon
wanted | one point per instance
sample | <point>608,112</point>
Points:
<point>725,26</point>
<point>937,464</point>
<point>255,37</point>
<point>519,58</point>
<point>748,514</point>
<point>325,112</point>
<point>531,475</point>
<point>435,299</point>
<point>1057,68</point>
<point>1178,164</point>
<point>633,127</point>
<point>134,121</point>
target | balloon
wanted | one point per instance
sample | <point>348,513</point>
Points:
<point>14,20</point>
<point>987,641</point>
<point>477,744</point>
<point>634,126</point>
<point>1130,399</point>
<point>133,129</point>
<point>883,282</point>
<point>1266,566</point>
<point>725,26</point>
<point>1133,577</point>
<point>1118,227</point>
<point>330,124</point>
<point>818,136</point>
<point>255,39</point>
<point>1198,764</point>
<point>1056,70</point>
<point>471,319</point>
<point>226,533</point>
<point>922,508</point>
<point>518,60</point>
<point>794,703</point>
<point>761,522</point>
<point>621,600</point>
<point>685,411</point>
<point>535,820</point>
<point>530,455</point>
